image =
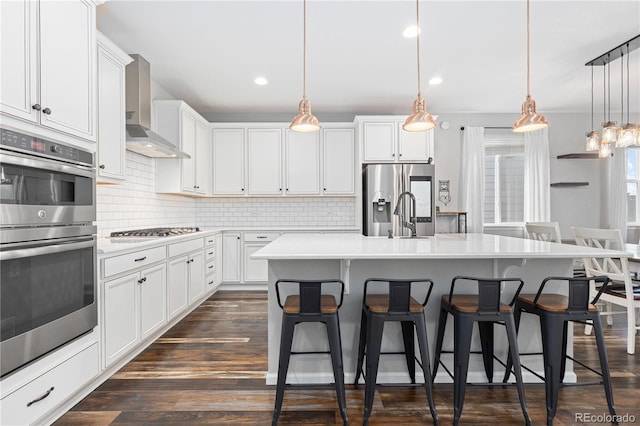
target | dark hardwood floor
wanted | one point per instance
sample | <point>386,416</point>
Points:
<point>210,369</point>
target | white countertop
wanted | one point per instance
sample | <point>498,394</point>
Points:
<point>440,246</point>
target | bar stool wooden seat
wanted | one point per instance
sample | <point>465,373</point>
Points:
<point>310,305</point>
<point>555,312</point>
<point>395,305</point>
<point>486,309</point>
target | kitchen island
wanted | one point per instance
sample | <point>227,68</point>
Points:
<point>354,258</point>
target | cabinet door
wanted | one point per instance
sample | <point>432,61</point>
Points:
<point>153,300</point>
<point>202,172</point>
<point>18,67</point>
<point>111,122</point>
<point>231,258</point>
<point>414,146</point>
<point>339,162</point>
<point>67,66</point>
<point>264,161</point>
<point>178,284</point>
<point>302,162</point>
<point>196,275</point>
<point>379,141</point>
<point>254,270</point>
<point>228,161</point>
<point>187,141</point>
<point>121,316</point>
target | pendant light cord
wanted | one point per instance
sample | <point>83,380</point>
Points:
<point>628,121</point>
<point>621,88</point>
<point>528,51</point>
<point>592,98</point>
<point>608,90</point>
<point>304,50</point>
<point>604,94</point>
<point>418,43</point>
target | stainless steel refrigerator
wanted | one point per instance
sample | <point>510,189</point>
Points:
<point>382,186</point>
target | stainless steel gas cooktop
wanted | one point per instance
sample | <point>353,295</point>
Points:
<point>155,232</point>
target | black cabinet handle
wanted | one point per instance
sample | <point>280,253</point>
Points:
<point>102,166</point>
<point>29,404</point>
<point>211,267</point>
<point>210,282</point>
<point>188,261</point>
<point>140,259</point>
<point>47,111</point>
<point>37,107</point>
<point>211,252</point>
<point>141,280</point>
<point>324,189</point>
<point>261,237</point>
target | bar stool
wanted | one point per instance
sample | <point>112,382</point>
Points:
<point>396,305</point>
<point>486,309</point>
<point>555,311</point>
<point>310,305</point>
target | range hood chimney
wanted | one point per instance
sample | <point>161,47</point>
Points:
<point>140,138</point>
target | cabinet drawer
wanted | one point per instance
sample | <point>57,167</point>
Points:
<point>210,268</point>
<point>60,383</point>
<point>210,240</point>
<point>210,253</point>
<point>118,264</point>
<point>185,247</point>
<point>211,280</point>
<point>261,236</point>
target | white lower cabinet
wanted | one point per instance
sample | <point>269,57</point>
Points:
<point>256,270</point>
<point>186,274</point>
<point>231,244</point>
<point>134,307</point>
<point>46,392</point>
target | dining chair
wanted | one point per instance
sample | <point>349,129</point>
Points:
<point>617,269</point>
<point>544,231</point>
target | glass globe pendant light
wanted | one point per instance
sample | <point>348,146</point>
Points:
<point>593,137</point>
<point>609,128</point>
<point>627,132</point>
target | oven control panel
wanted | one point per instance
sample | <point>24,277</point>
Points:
<point>46,148</point>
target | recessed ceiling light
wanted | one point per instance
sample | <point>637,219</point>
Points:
<point>411,32</point>
<point>261,81</point>
<point>435,80</point>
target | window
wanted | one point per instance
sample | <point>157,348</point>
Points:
<point>633,183</point>
<point>503,177</point>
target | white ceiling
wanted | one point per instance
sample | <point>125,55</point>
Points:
<point>209,52</point>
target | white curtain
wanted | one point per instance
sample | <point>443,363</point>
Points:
<point>537,194</point>
<point>617,202</point>
<point>472,179</point>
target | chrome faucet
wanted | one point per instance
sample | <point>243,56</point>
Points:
<point>412,212</point>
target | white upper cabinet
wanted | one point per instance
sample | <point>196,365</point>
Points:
<point>338,161</point>
<point>48,71</point>
<point>189,131</point>
<point>302,163</point>
<point>228,162</point>
<point>112,62</point>
<point>384,141</point>
<point>264,161</point>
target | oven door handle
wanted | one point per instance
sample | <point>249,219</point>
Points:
<point>63,244</point>
<point>35,163</point>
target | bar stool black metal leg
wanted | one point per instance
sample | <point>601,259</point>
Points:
<point>513,350</point>
<point>552,331</point>
<point>517,313</point>
<point>409,348</point>
<point>423,344</point>
<point>604,364</point>
<point>442,324</point>
<point>286,339</point>
<point>486,342</point>
<point>374,340</point>
<point>463,327</point>
<point>361,346</point>
<point>563,366</point>
<point>335,347</point>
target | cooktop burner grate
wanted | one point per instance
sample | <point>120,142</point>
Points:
<point>155,232</point>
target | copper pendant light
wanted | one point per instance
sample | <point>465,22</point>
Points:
<point>305,121</point>
<point>530,120</point>
<point>420,120</point>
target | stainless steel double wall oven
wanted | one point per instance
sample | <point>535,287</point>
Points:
<point>47,247</point>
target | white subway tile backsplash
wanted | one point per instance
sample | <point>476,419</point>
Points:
<point>135,204</point>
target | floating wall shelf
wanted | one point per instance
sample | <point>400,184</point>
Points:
<point>568,184</point>
<point>584,155</point>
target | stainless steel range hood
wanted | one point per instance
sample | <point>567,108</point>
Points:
<point>139,138</point>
